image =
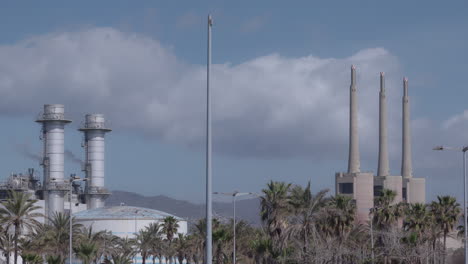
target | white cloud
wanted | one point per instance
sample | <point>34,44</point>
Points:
<point>270,106</point>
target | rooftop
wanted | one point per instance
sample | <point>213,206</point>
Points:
<point>122,212</point>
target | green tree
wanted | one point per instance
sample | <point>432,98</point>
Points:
<point>446,212</point>
<point>143,243</point>
<point>18,212</point>
<point>6,245</point>
<point>275,208</point>
<point>306,212</point>
<point>87,251</point>
<point>53,237</point>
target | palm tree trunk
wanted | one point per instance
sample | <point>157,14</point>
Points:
<point>445,247</point>
<point>16,243</point>
<point>143,256</point>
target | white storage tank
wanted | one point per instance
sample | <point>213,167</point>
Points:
<point>124,221</point>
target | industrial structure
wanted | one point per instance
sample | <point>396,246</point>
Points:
<point>59,194</point>
<point>362,187</point>
<point>125,220</point>
<point>94,130</point>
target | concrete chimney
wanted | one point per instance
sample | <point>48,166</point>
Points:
<point>53,124</point>
<point>353,161</point>
<point>406,164</point>
<point>383,167</point>
<point>94,131</point>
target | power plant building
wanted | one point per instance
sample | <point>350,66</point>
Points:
<point>59,194</point>
<point>362,187</point>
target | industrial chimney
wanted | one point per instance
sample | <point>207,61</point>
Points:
<point>353,161</point>
<point>383,167</point>
<point>94,130</point>
<point>406,164</point>
<point>53,123</point>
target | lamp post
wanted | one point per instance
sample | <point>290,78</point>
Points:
<point>234,195</point>
<point>372,236</point>
<point>465,219</point>
<point>209,216</point>
<point>73,178</point>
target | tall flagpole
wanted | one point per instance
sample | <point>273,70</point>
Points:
<point>209,192</point>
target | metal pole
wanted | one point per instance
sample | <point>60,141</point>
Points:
<point>372,237</point>
<point>464,202</point>
<point>208,254</point>
<point>234,224</point>
<point>71,221</point>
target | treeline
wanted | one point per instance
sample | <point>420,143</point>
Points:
<point>297,227</point>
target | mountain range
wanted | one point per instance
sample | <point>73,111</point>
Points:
<point>246,209</point>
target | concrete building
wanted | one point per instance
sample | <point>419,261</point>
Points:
<point>354,183</point>
<point>383,179</point>
<point>414,189</point>
<point>363,186</point>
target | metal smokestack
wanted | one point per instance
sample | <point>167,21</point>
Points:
<point>53,123</point>
<point>406,164</point>
<point>94,132</point>
<point>383,167</point>
<point>353,162</point>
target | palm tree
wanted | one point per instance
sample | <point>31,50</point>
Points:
<point>6,244</point>
<point>170,226</point>
<point>30,258</point>
<point>18,212</point>
<point>446,212</point>
<point>198,232</point>
<point>156,247</point>
<point>182,247</point>
<point>86,251</point>
<point>55,260</point>
<point>125,246</point>
<point>274,209</point>
<point>385,214</point>
<point>335,223</point>
<point>221,236</point>
<point>306,211</point>
<point>54,236</point>
<point>143,242</point>
<point>121,259</point>
<point>417,222</point>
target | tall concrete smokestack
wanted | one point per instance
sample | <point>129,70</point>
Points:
<point>383,167</point>
<point>353,161</point>
<point>53,124</point>
<point>94,132</point>
<point>406,164</point>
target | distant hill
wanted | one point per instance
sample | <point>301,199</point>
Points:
<point>248,209</point>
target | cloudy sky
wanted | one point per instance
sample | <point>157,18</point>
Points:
<point>280,88</point>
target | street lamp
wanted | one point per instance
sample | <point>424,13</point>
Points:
<point>465,219</point>
<point>234,195</point>
<point>73,178</point>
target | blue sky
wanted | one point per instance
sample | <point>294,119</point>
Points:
<point>273,119</point>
